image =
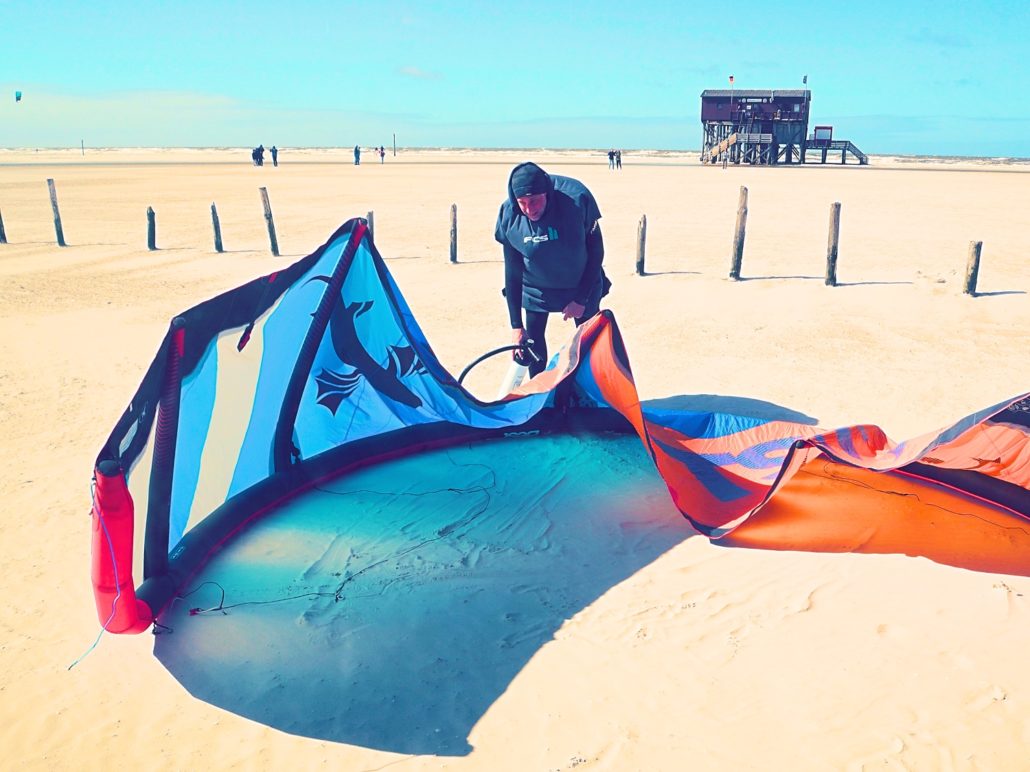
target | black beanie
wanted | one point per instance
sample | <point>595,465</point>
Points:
<point>529,179</point>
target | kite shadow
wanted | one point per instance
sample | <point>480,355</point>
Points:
<point>391,608</point>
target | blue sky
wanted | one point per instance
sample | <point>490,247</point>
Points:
<point>894,77</point>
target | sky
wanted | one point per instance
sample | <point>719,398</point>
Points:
<point>917,78</point>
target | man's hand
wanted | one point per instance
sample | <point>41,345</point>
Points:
<point>518,338</point>
<point>573,310</point>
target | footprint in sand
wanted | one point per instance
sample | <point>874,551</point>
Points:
<point>992,695</point>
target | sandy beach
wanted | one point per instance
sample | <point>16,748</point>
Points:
<point>691,655</point>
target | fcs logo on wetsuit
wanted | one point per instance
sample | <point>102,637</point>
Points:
<point>551,235</point>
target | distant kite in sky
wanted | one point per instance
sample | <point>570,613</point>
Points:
<point>17,96</point>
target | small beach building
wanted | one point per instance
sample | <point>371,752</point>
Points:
<point>764,127</point>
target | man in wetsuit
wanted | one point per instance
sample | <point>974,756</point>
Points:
<point>553,251</point>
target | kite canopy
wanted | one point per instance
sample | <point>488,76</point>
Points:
<point>261,392</point>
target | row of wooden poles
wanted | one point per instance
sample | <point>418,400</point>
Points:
<point>152,223</point>
<point>832,245</point>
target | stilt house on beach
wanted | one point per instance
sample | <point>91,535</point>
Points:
<point>766,127</point>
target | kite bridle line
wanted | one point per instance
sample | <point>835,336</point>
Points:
<point>114,563</point>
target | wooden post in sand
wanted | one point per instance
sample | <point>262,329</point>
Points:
<point>271,223</point>
<point>57,213</point>
<point>832,243</point>
<point>218,228</point>
<point>738,235</point>
<point>3,234</point>
<point>973,267</point>
<point>151,229</point>
<point>371,225</point>
<point>454,233</point>
<point>641,240</point>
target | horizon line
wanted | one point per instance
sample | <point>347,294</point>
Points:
<point>349,148</point>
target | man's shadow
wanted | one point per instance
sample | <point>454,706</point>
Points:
<point>392,607</point>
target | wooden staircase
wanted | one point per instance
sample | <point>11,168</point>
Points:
<point>843,145</point>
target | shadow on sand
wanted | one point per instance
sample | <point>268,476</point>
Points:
<point>777,278</point>
<point>671,273</point>
<point>392,607</point>
<point>871,283</point>
<point>998,292</point>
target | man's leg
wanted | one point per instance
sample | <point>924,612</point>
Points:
<point>536,326</point>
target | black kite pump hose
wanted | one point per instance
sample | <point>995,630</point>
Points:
<point>523,348</point>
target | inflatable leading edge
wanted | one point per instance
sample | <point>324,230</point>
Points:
<point>117,606</point>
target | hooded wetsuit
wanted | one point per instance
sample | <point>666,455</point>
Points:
<point>555,260</point>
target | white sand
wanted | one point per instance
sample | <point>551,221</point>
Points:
<point>707,657</point>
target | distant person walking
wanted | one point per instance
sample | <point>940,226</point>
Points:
<point>357,155</point>
<point>611,159</point>
<point>618,159</point>
<point>275,155</point>
<point>382,154</point>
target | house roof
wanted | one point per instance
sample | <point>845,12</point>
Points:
<point>755,93</point>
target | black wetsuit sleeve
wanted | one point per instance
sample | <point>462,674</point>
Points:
<point>513,270</point>
<point>592,270</point>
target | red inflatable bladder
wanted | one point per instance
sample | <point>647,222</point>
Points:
<point>113,589</point>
